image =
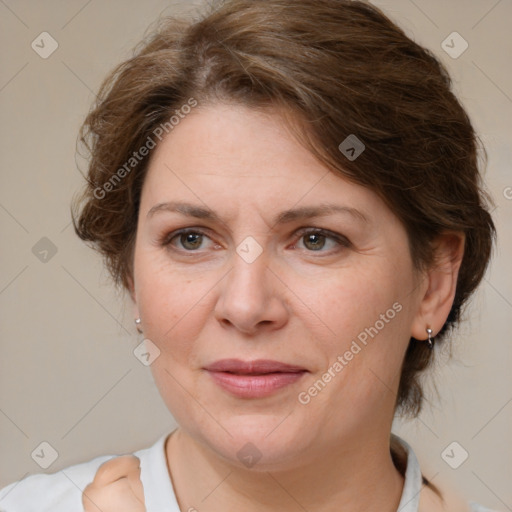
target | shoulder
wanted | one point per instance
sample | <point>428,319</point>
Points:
<point>430,501</point>
<point>419,495</point>
<point>475,507</point>
<point>441,500</point>
<point>60,491</point>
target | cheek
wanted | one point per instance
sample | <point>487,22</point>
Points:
<point>171,304</point>
<point>365,322</point>
<point>348,301</point>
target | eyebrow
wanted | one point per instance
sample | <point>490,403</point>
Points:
<point>286,216</point>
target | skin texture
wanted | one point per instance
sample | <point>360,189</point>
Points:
<point>292,304</point>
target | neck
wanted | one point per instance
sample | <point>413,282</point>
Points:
<point>361,477</point>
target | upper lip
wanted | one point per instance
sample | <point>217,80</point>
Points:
<point>257,366</point>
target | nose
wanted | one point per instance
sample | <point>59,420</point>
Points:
<point>252,297</point>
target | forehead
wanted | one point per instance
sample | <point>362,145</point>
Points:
<point>236,141</point>
<point>237,157</point>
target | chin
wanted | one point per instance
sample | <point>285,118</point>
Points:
<point>259,442</point>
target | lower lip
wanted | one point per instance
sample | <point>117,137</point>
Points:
<point>254,386</point>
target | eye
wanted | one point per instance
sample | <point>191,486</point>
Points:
<point>190,239</point>
<point>314,239</point>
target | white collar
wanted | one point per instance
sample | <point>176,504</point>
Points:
<point>409,502</point>
<point>160,496</point>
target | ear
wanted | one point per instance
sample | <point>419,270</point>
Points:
<point>441,284</point>
<point>131,289</point>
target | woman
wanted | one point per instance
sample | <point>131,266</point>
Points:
<point>289,191</point>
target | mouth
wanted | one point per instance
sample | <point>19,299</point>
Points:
<point>253,379</point>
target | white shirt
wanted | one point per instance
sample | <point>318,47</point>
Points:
<point>62,491</point>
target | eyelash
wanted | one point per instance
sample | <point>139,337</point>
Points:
<point>339,239</point>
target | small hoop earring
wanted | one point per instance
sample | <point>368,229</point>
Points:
<point>430,339</point>
<point>138,324</point>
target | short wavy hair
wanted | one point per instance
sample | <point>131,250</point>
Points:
<point>333,68</point>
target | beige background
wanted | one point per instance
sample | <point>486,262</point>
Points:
<point>67,372</point>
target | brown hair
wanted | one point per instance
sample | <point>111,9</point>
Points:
<point>335,68</point>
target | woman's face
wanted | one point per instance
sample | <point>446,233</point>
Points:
<point>252,281</point>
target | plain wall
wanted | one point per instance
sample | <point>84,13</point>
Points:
<point>67,372</point>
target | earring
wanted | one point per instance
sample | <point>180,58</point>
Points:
<point>138,324</point>
<point>430,339</point>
